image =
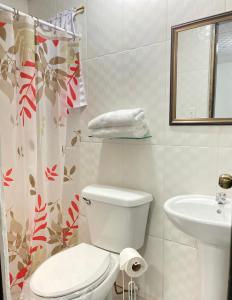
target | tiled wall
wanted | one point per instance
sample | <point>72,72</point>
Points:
<point>126,50</point>
<point>18,4</point>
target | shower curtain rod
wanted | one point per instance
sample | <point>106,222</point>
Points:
<point>17,12</point>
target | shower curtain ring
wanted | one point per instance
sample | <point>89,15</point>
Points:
<point>17,15</point>
<point>14,13</point>
<point>37,23</point>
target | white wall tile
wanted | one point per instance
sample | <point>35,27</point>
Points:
<point>228,5</point>
<point>100,163</point>
<point>104,83</point>
<point>225,138</point>
<point>62,5</point>
<point>144,83</point>
<point>225,162</point>
<point>184,11</point>
<point>181,272</point>
<point>104,26</point>
<point>43,9</point>
<point>143,170</point>
<point>190,170</point>
<point>144,22</point>
<point>151,283</point>
<point>201,136</point>
<point>18,4</point>
<point>90,153</point>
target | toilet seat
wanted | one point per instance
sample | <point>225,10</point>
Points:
<point>74,271</point>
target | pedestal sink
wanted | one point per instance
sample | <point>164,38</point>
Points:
<point>202,218</point>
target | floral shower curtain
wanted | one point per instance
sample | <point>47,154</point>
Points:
<point>38,86</point>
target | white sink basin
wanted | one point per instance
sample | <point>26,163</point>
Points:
<point>198,216</point>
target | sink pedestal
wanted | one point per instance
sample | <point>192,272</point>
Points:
<point>214,264</point>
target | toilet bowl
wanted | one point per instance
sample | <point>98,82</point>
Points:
<point>117,219</point>
<point>82,272</point>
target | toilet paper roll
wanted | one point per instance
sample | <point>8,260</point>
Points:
<point>132,263</point>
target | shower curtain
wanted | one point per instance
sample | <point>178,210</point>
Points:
<point>38,86</point>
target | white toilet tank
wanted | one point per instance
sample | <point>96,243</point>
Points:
<point>117,217</point>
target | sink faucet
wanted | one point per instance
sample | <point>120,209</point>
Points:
<point>221,198</point>
<point>225,182</point>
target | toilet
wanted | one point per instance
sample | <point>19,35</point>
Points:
<point>117,219</point>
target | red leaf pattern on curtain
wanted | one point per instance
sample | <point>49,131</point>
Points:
<point>72,82</point>
<point>55,42</point>
<point>27,91</point>
<point>40,217</point>
<point>38,227</point>
<point>51,173</point>
<point>11,278</point>
<point>73,212</point>
<point>19,278</point>
<point>75,206</point>
<point>40,39</point>
<point>43,218</point>
<point>22,273</point>
<point>21,284</point>
<point>6,177</point>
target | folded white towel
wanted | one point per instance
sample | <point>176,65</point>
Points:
<point>139,131</point>
<point>119,118</point>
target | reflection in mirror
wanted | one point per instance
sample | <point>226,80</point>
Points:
<point>223,103</point>
<point>201,72</point>
<point>193,73</point>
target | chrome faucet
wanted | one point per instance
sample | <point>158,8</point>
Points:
<point>221,198</point>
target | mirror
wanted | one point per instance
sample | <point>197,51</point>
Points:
<point>201,72</point>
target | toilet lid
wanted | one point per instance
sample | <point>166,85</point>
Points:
<point>70,271</point>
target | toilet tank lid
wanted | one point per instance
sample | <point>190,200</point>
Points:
<point>115,195</point>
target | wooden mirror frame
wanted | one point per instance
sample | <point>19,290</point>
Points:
<point>212,20</point>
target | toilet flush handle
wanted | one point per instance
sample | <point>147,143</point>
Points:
<point>87,201</point>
